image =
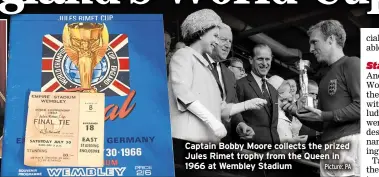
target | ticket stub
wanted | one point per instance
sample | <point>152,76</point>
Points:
<point>65,129</point>
<point>91,130</point>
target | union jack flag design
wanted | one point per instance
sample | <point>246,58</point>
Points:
<point>110,76</point>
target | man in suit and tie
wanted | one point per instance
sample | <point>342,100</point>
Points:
<point>227,83</point>
<point>255,85</point>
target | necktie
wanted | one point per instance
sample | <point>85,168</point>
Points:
<point>217,77</point>
<point>266,95</point>
<point>215,72</point>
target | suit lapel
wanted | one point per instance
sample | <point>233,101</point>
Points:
<point>225,78</point>
<point>254,85</point>
<point>205,61</point>
<point>214,71</point>
<point>257,90</point>
<point>274,100</point>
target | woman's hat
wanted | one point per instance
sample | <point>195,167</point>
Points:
<point>275,81</point>
<point>199,20</point>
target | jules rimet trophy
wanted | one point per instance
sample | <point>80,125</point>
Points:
<point>305,99</point>
<point>85,44</point>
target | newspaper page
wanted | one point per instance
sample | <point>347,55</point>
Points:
<point>370,104</point>
<point>65,129</point>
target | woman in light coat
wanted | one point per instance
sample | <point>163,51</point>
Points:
<point>196,104</point>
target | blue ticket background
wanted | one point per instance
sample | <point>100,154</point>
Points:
<point>149,121</point>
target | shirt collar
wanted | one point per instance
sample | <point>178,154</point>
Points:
<point>257,78</point>
<point>211,59</point>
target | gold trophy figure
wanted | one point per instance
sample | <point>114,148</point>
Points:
<point>304,99</point>
<point>85,44</point>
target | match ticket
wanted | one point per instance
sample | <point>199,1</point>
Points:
<point>65,129</point>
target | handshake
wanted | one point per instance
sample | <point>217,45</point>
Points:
<point>215,124</point>
<point>255,103</point>
<point>242,129</point>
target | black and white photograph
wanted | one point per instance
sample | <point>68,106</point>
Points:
<point>270,76</point>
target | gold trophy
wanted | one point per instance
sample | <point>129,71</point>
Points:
<point>304,99</point>
<point>85,44</point>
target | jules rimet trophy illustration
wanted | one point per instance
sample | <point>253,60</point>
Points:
<point>86,45</point>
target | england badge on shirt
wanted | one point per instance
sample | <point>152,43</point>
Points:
<point>332,88</point>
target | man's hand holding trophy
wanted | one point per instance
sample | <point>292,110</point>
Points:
<point>303,108</point>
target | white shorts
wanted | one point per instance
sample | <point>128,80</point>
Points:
<point>348,163</point>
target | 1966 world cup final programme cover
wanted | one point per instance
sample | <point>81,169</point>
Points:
<point>64,68</point>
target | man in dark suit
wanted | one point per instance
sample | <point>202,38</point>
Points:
<point>227,83</point>
<point>255,85</point>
